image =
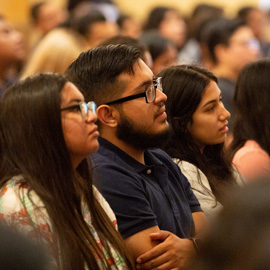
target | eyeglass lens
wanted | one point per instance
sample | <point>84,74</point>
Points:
<point>86,107</point>
<point>151,90</point>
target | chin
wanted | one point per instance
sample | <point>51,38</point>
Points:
<point>94,147</point>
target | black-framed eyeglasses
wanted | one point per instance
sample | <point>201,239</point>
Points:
<point>149,93</point>
<point>84,108</point>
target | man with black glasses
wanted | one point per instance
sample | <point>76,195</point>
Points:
<point>145,189</point>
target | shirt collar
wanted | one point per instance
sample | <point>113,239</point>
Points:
<point>150,159</point>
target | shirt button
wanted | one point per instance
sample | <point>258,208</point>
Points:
<point>149,171</point>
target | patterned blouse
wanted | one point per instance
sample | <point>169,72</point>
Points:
<point>17,205</point>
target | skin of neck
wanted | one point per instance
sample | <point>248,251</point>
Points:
<point>110,135</point>
<point>221,70</point>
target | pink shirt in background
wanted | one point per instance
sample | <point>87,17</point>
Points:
<point>252,161</point>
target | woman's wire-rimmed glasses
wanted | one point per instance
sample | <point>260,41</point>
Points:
<point>84,108</point>
<point>149,93</point>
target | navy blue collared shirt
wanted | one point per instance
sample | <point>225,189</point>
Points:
<point>143,196</point>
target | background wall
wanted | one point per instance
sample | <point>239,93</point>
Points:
<point>140,8</point>
<point>18,10</point>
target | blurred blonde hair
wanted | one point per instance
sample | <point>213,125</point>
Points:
<point>55,52</point>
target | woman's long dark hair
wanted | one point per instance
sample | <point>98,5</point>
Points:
<point>33,145</point>
<point>251,106</point>
<point>184,86</point>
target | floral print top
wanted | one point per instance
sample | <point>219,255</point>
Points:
<point>25,211</point>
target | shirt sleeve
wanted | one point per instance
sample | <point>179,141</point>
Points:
<point>252,164</point>
<point>29,218</point>
<point>202,190</point>
<point>108,210</point>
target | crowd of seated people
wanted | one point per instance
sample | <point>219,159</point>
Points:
<point>122,140</point>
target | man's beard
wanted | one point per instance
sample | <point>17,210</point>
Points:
<point>127,132</point>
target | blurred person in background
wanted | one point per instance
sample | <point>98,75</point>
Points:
<point>18,252</point>
<point>256,19</point>
<point>239,237</point>
<point>163,51</point>
<point>169,22</point>
<point>194,51</point>
<point>12,53</point>
<point>55,52</point>
<point>94,28</point>
<point>129,26</point>
<point>83,7</point>
<point>45,17</point>
<point>250,148</point>
<point>231,45</point>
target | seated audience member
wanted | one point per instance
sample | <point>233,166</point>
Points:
<point>170,24</point>
<point>18,252</point>
<point>231,45</point>
<point>256,19</point>
<point>55,52</point>
<point>128,26</point>
<point>94,28</point>
<point>239,237</point>
<point>145,189</point>
<point>46,16</point>
<point>12,53</point>
<point>194,51</point>
<point>119,39</point>
<point>46,132</point>
<point>198,123</point>
<point>250,147</point>
<point>105,7</point>
<point>162,50</point>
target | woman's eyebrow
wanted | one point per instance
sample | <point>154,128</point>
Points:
<point>209,102</point>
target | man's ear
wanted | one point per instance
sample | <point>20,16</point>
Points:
<point>108,115</point>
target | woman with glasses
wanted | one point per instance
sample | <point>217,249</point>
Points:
<point>198,122</point>
<point>46,133</point>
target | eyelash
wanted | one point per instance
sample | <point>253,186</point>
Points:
<point>213,107</point>
<point>75,109</point>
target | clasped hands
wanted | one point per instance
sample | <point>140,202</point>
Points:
<point>171,253</point>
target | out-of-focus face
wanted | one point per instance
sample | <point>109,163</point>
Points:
<point>12,47</point>
<point>50,16</point>
<point>100,31</point>
<point>174,28</point>
<point>243,48</point>
<point>165,60</point>
<point>81,136</point>
<point>257,21</point>
<point>131,28</point>
<point>210,120</point>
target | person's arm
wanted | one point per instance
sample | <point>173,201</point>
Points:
<point>200,222</point>
<point>140,242</point>
<point>172,252</point>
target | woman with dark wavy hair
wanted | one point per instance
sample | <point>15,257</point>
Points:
<point>250,148</point>
<point>46,133</point>
<point>198,122</point>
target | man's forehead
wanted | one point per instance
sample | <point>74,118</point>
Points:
<point>131,81</point>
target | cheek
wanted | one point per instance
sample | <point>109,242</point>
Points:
<point>201,129</point>
<point>73,132</point>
